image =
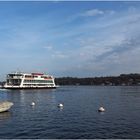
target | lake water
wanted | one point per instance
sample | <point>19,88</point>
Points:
<point>78,119</point>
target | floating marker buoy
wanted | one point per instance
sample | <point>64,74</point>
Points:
<point>60,105</point>
<point>101,109</point>
<point>33,103</point>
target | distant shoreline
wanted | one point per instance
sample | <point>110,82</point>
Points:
<point>121,80</point>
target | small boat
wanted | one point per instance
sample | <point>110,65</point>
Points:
<point>5,106</point>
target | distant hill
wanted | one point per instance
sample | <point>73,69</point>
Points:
<point>123,79</point>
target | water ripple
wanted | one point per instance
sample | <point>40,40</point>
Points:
<point>79,118</point>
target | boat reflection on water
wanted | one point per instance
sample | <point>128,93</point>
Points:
<point>5,115</point>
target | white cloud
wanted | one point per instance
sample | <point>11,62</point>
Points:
<point>92,12</point>
<point>59,55</point>
<point>48,47</point>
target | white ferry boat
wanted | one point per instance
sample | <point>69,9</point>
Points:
<point>29,81</point>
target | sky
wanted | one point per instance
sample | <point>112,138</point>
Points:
<point>67,38</point>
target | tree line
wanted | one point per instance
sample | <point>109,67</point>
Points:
<point>123,79</point>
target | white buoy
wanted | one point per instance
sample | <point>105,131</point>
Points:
<point>33,104</point>
<point>101,109</point>
<point>60,105</point>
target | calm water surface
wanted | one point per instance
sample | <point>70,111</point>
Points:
<point>78,119</point>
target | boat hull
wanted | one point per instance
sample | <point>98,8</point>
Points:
<point>18,88</point>
<point>5,106</point>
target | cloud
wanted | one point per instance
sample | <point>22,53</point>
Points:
<point>111,46</point>
<point>59,55</point>
<point>48,47</point>
<point>92,12</point>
